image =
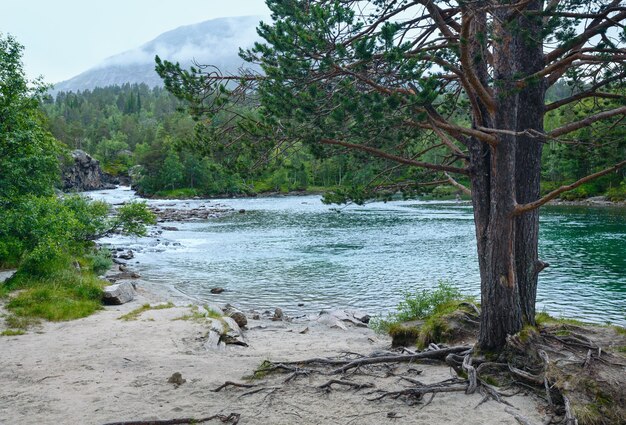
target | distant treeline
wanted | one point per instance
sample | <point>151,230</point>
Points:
<point>142,132</point>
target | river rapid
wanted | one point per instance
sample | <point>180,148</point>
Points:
<point>296,253</point>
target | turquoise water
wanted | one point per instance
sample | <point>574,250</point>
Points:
<point>294,250</point>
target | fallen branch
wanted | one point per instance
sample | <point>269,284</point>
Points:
<point>233,419</point>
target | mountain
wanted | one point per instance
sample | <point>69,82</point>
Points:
<point>214,42</point>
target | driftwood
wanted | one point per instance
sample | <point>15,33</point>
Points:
<point>233,419</point>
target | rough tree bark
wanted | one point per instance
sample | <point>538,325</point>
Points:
<point>531,108</point>
<point>507,173</point>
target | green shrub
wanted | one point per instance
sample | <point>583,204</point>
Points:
<point>617,194</point>
<point>132,218</point>
<point>422,304</point>
<point>46,258</point>
<point>100,261</point>
<point>443,191</point>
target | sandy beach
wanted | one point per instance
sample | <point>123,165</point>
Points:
<point>101,369</point>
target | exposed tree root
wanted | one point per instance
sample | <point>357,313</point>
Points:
<point>354,385</point>
<point>416,393</point>
<point>233,419</point>
<point>552,364</point>
<point>232,384</point>
<point>521,419</point>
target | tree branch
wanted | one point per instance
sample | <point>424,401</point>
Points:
<point>382,154</point>
<point>573,126</point>
<point>522,208</point>
<point>458,185</point>
<point>596,27</point>
<point>483,92</point>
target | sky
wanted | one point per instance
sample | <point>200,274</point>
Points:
<point>63,38</point>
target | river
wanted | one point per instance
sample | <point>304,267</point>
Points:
<point>296,253</point>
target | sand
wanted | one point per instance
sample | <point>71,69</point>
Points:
<point>101,369</point>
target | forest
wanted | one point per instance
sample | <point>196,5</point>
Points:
<point>145,133</point>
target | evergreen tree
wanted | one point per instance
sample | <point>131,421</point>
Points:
<point>457,88</point>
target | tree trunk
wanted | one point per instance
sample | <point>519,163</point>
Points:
<point>528,161</point>
<point>504,175</point>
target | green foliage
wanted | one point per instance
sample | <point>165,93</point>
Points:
<point>62,294</point>
<point>543,318</point>
<point>617,194</point>
<point>45,235</point>
<point>28,153</point>
<point>12,332</point>
<point>417,305</point>
<point>99,261</point>
<point>132,218</point>
<point>42,231</point>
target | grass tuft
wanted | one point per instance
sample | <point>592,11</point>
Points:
<point>444,299</point>
<point>12,332</point>
<point>134,314</point>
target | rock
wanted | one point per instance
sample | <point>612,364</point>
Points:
<point>122,268</point>
<point>120,293</point>
<point>236,315</point>
<point>256,316</point>
<point>224,331</point>
<point>241,211</point>
<point>300,304</point>
<point>135,275</point>
<point>360,316</point>
<point>128,255</point>
<point>278,314</point>
<point>217,290</point>
<point>85,174</point>
<point>176,379</point>
<point>336,318</point>
<point>170,228</point>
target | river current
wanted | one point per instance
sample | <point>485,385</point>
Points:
<point>296,253</point>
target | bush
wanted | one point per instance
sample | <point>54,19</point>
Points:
<point>100,261</point>
<point>421,305</point>
<point>617,194</point>
<point>47,257</point>
<point>132,219</point>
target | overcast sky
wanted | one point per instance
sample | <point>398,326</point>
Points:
<point>66,37</point>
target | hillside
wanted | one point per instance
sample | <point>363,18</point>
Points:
<point>215,42</point>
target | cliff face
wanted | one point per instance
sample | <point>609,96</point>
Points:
<point>85,174</point>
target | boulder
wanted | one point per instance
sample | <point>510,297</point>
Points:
<point>236,315</point>
<point>128,255</point>
<point>120,293</point>
<point>337,318</point>
<point>85,174</point>
<point>278,314</point>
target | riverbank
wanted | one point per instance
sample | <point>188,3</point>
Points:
<point>103,369</point>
